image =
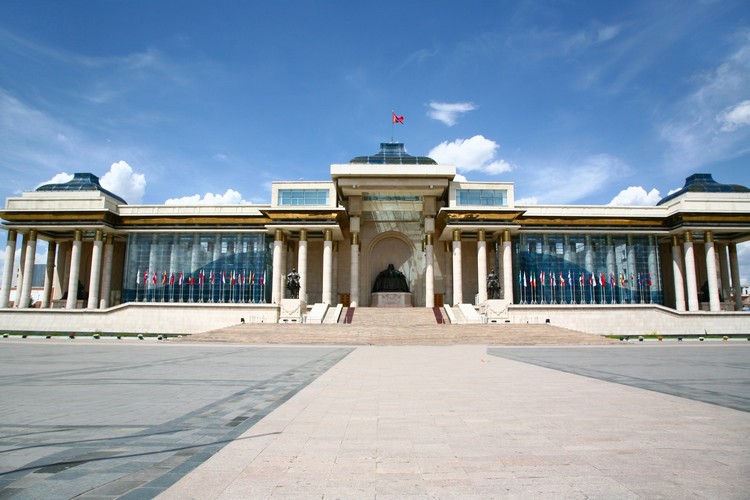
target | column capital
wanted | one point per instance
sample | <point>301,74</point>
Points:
<point>110,239</point>
<point>77,235</point>
<point>709,238</point>
<point>506,236</point>
<point>456,235</point>
<point>99,235</point>
<point>688,237</point>
<point>675,240</point>
<point>428,238</point>
<point>303,234</point>
<point>32,235</point>
<point>355,238</point>
<point>278,235</point>
<point>328,235</point>
<point>481,235</point>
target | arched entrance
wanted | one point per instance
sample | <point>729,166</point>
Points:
<point>392,248</point>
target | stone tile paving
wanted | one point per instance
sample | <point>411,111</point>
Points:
<point>457,422</point>
<point>103,420</point>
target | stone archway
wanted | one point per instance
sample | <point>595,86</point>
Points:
<point>391,248</point>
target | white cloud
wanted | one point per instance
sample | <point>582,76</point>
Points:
<point>697,133</point>
<point>734,117</point>
<point>124,182</point>
<point>636,196</point>
<point>231,197</point>
<point>448,112</point>
<point>476,153</point>
<point>531,200</point>
<point>60,178</point>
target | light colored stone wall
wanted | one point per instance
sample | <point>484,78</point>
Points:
<point>632,320</point>
<point>137,318</point>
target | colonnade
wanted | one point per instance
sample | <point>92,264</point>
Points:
<point>685,273</point>
<point>63,270</point>
<point>279,265</point>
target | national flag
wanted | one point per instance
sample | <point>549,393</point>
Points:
<point>223,277</point>
<point>242,279</point>
<point>182,279</point>
<point>213,277</point>
<point>580,279</point>
<point>552,280</point>
<point>524,279</point>
<point>570,280</point>
<point>593,280</point>
<point>138,277</point>
<point>164,278</point>
<point>602,280</point>
<point>171,279</point>
<point>648,280</point>
<point>562,279</point>
<point>397,119</point>
<point>263,278</point>
<point>622,280</point>
<point>145,277</point>
<point>233,279</point>
<point>202,277</point>
<point>154,278</point>
<point>191,281</point>
<point>541,278</point>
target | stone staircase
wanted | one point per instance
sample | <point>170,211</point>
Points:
<point>397,326</point>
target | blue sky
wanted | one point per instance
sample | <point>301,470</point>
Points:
<point>575,102</point>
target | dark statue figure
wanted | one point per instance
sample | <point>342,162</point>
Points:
<point>493,286</point>
<point>292,283</point>
<point>390,280</point>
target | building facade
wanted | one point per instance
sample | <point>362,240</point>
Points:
<point>446,237</point>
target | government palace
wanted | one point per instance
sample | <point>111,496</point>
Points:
<point>387,230</point>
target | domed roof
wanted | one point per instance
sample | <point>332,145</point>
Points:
<point>393,153</point>
<point>80,182</point>
<point>704,183</point>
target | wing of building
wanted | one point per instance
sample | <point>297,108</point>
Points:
<point>389,229</point>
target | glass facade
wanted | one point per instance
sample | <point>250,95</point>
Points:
<point>303,197</point>
<point>583,269</point>
<point>198,267</point>
<point>482,197</point>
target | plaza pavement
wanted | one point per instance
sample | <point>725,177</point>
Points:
<point>98,419</point>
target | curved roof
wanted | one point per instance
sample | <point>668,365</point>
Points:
<point>81,182</point>
<point>393,153</point>
<point>704,183</point>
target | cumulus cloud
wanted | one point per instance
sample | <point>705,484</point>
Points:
<point>124,182</point>
<point>476,153</point>
<point>448,112</point>
<point>60,178</point>
<point>231,197</point>
<point>636,196</point>
<point>743,257</point>
<point>531,200</point>
<point>734,117</point>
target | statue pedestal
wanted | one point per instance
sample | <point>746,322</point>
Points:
<point>495,310</point>
<point>291,310</point>
<point>391,299</point>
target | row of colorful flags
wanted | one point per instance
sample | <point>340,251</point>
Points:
<point>591,279</point>
<point>213,277</point>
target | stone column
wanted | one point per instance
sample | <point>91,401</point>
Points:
<point>278,243</point>
<point>96,270</point>
<point>21,262</point>
<point>75,269</point>
<point>49,274</point>
<point>10,257</point>
<point>713,282</point>
<point>327,265</point>
<point>62,267</point>
<point>679,285</point>
<point>354,272</point>
<point>507,267</point>
<point>24,299</point>
<point>109,251</point>
<point>335,272</point>
<point>723,271</point>
<point>481,266</point>
<point>284,266</point>
<point>632,285</point>
<point>690,277</point>
<point>302,264</point>
<point>448,273</point>
<point>429,271</point>
<point>458,294</point>
<point>734,268</point>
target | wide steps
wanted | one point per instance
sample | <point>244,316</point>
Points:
<point>395,333</point>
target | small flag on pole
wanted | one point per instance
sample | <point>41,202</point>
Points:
<point>397,119</point>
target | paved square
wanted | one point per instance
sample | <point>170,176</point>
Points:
<point>112,418</point>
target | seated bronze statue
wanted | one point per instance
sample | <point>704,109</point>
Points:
<point>390,280</point>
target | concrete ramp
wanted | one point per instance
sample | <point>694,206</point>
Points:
<point>317,314</point>
<point>470,314</point>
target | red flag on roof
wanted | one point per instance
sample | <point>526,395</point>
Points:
<point>397,119</point>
